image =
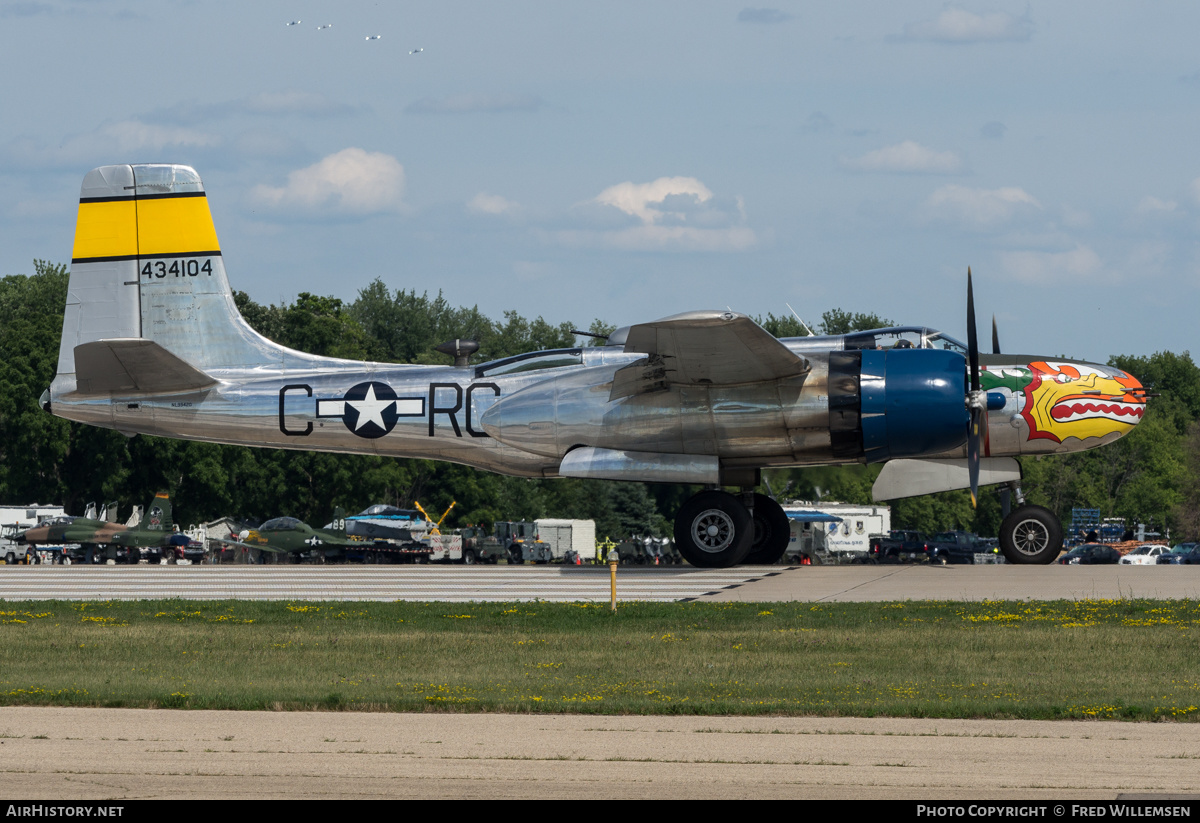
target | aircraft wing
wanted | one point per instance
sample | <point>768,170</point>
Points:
<point>261,547</point>
<point>703,348</point>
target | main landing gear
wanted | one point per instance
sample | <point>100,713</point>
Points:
<point>1030,534</point>
<point>716,529</point>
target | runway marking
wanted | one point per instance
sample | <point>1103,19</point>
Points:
<point>414,583</point>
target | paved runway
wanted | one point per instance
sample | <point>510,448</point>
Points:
<point>380,583</point>
<point>591,583</point>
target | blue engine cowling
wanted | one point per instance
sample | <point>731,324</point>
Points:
<point>898,403</point>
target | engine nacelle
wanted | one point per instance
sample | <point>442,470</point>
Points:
<point>898,403</point>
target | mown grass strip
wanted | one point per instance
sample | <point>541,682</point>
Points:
<point>1131,659</point>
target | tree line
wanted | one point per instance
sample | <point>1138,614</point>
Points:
<point>1151,475</point>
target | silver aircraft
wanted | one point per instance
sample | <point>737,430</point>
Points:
<point>153,343</point>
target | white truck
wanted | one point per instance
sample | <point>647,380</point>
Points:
<point>565,536</point>
<point>834,529</point>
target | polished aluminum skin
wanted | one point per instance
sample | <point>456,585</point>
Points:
<point>153,343</point>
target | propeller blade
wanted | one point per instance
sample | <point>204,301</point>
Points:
<point>995,337</point>
<point>972,336</point>
<point>976,399</point>
<point>974,442</point>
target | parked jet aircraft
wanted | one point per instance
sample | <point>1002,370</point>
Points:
<point>287,535</point>
<point>116,540</point>
<point>153,343</point>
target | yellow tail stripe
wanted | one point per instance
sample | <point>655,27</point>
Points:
<point>105,229</point>
<point>153,227</point>
<point>175,225</point>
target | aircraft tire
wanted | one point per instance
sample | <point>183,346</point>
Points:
<point>1031,535</point>
<point>713,530</point>
<point>772,532</point>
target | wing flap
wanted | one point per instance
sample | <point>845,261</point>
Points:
<point>134,365</point>
<point>704,348</point>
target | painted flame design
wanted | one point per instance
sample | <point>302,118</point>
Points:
<point>1073,400</point>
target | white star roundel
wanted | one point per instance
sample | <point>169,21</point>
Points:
<point>370,409</point>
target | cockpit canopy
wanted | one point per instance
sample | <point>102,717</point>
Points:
<point>280,524</point>
<point>903,337</point>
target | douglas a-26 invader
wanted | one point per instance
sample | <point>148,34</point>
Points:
<point>153,343</point>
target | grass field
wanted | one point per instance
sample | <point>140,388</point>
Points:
<point>1132,659</point>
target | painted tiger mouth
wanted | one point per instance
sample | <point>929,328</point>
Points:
<point>1075,409</point>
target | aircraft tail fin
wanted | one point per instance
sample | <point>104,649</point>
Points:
<point>149,307</point>
<point>338,526</point>
<point>158,514</point>
<point>110,512</point>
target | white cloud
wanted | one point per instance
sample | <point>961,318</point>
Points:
<point>484,203</point>
<point>980,206</point>
<point>120,139</point>
<point>291,102</point>
<point>470,103</point>
<point>663,238</point>
<point>765,16</point>
<point>352,181</point>
<point>907,158</point>
<point>1041,267</point>
<point>1152,205</point>
<point>637,198</point>
<point>672,214</point>
<point>957,25</point>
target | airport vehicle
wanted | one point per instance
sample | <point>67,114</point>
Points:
<point>153,343</point>
<point>958,547</point>
<point>109,540</point>
<point>1090,554</point>
<point>568,539</point>
<point>1146,554</point>
<point>899,545</point>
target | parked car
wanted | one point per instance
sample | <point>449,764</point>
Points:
<point>1146,554</point>
<point>899,545</point>
<point>1186,557</point>
<point>960,547</point>
<point>1089,554</point>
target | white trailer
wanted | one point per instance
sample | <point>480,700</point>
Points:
<point>16,519</point>
<point>563,536</point>
<point>845,528</point>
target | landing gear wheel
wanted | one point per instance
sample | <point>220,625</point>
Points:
<point>713,530</point>
<point>1031,535</point>
<point>772,532</point>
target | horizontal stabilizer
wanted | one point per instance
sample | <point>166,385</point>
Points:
<point>134,365</point>
<point>911,478</point>
<point>704,347</point>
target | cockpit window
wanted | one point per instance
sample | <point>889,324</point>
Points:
<point>280,524</point>
<point>937,340</point>
<point>903,337</point>
<point>533,361</point>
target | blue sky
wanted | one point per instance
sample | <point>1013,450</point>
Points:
<point>631,160</point>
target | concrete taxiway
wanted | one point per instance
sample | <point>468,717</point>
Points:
<point>95,754</point>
